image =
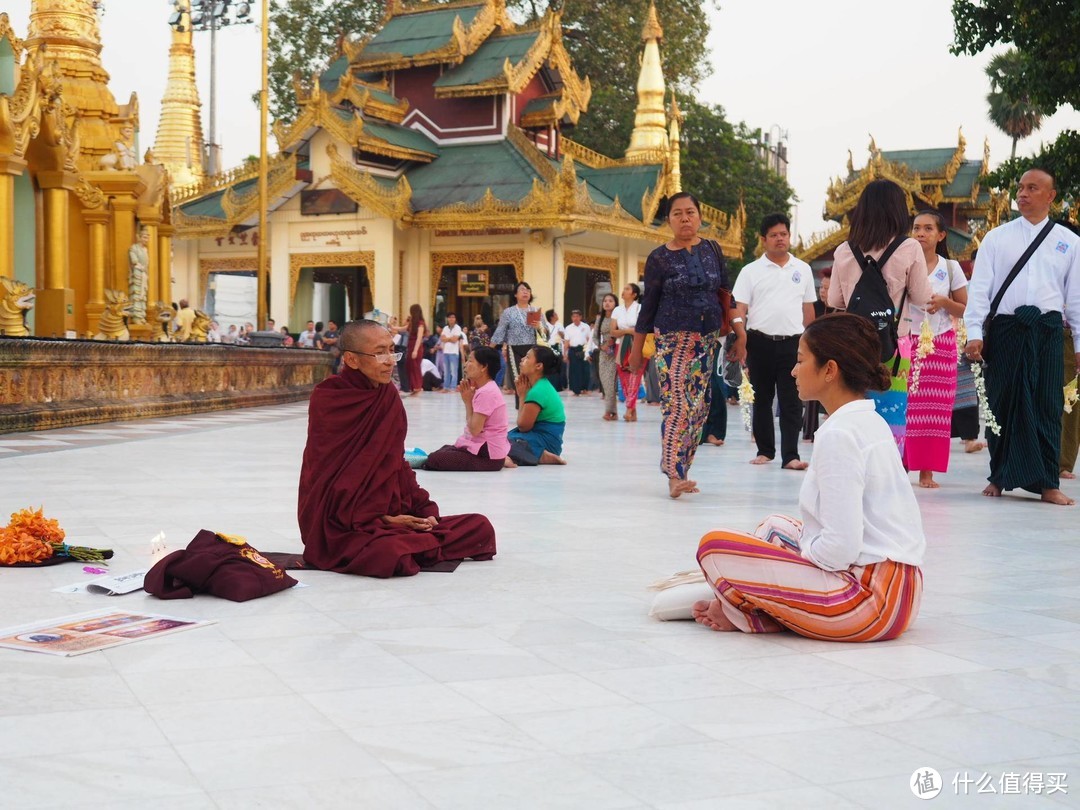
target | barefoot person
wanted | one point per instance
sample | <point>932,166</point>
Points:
<point>360,509</point>
<point>1022,348</point>
<point>538,437</point>
<point>681,306</point>
<point>483,446</point>
<point>930,399</point>
<point>849,570</point>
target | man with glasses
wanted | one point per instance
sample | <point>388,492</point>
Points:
<point>360,509</point>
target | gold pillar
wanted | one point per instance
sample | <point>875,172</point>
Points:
<point>54,313</point>
<point>10,168</point>
<point>97,221</point>
<point>164,284</point>
<point>123,238</point>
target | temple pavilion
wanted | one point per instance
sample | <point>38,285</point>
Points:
<point>430,164</point>
<point>942,179</point>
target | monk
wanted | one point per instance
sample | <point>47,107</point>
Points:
<point>360,509</point>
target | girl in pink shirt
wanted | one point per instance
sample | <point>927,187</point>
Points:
<point>483,446</point>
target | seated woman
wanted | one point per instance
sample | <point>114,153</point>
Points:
<point>483,446</point>
<point>849,570</point>
<point>537,439</point>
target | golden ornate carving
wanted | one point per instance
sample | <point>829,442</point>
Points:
<point>16,299</point>
<point>353,258</point>
<point>605,264</point>
<point>361,186</point>
<point>442,259</point>
<point>540,164</point>
<point>180,194</point>
<point>237,207</point>
<point>89,195</point>
<point>595,160</point>
<point>360,94</point>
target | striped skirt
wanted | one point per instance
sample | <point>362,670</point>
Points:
<point>930,407</point>
<point>684,364</point>
<point>765,586</point>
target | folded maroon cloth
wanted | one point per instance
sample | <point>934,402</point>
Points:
<point>219,564</point>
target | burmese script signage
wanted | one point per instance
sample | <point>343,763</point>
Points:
<point>472,283</point>
<point>331,238</point>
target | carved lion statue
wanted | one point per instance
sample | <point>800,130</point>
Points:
<point>16,299</point>
<point>113,323</point>
<point>164,318</point>
<point>199,327</point>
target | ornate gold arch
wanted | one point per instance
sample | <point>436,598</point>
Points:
<point>605,264</point>
<point>233,264</point>
<point>464,258</point>
<point>354,258</point>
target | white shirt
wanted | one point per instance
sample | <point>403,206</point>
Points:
<point>856,500</point>
<point>556,333</point>
<point>774,295</point>
<point>451,347</point>
<point>626,317</point>
<point>1050,281</point>
<point>307,340</point>
<point>577,334</point>
<point>945,277</point>
<point>427,367</point>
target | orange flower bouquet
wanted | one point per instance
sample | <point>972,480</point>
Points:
<point>33,539</point>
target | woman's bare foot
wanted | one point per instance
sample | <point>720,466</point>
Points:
<point>547,457</point>
<point>710,439</point>
<point>926,480</point>
<point>795,464</point>
<point>760,460</point>
<point>711,615</point>
<point>1067,475</point>
<point>992,491</point>
<point>508,463</point>
<point>679,486</point>
<point>973,446</point>
<point>414,393</point>
<point>1057,496</point>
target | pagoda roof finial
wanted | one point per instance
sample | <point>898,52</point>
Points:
<point>652,29</point>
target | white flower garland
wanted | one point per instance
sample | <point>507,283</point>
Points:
<point>984,404</point>
<point>1072,395</point>
<point>746,400</point>
<point>924,350</point>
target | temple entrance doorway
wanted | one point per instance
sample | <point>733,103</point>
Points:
<point>585,289</point>
<point>338,294</point>
<point>474,290</point>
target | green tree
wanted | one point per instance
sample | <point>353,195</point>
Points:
<point>721,166</point>
<point>1016,116</point>
<point>1061,158</point>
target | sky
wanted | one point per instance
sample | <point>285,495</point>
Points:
<point>830,74</point>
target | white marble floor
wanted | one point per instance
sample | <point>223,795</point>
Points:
<point>537,679</point>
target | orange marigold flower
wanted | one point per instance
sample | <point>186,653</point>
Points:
<point>34,523</point>
<point>17,546</point>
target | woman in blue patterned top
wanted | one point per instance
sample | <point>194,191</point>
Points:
<point>681,306</point>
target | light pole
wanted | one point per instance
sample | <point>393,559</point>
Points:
<point>775,149</point>
<point>210,15</point>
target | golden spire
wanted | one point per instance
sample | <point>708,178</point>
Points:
<point>674,138</point>
<point>650,122</point>
<point>179,143</point>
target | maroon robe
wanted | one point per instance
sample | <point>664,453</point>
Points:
<point>354,472</point>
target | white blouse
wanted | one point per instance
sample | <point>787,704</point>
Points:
<point>945,277</point>
<point>856,501</point>
<point>626,317</point>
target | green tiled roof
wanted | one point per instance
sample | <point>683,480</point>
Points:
<point>923,161</point>
<point>539,104</point>
<point>463,173</point>
<point>411,35</point>
<point>405,137</point>
<point>210,205</point>
<point>381,95</point>
<point>628,183</point>
<point>966,178</point>
<point>957,241</point>
<point>487,63</point>
<point>330,77</point>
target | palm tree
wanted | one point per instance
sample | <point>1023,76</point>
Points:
<point>1014,115</point>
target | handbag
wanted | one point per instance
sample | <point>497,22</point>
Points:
<point>1009,280</point>
<point>725,297</point>
<point>648,350</point>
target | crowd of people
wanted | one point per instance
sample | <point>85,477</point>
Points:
<point>873,367</point>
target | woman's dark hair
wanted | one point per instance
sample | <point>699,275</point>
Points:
<point>525,284</point>
<point>827,272</point>
<point>939,222</point>
<point>880,215</point>
<point>600,318</point>
<point>318,326</point>
<point>489,358</point>
<point>771,221</point>
<point>669,203</point>
<point>853,344</point>
<point>416,317</point>
<point>547,359</point>
<point>636,290</point>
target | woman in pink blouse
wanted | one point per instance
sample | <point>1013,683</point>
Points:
<point>880,217</point>
<point>483,447</point>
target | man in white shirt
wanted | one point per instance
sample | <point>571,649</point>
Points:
<point>1022,349</point>
<point>450,337</point>
<point>577,335</point>
<point>776,295</point>
<point>307,337</point>
<point>556,336</point>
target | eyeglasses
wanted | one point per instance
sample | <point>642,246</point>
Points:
<point>385,357</point>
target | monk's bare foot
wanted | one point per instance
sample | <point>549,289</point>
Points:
<point>547,457</point>
<point>714,441</point>
<point>974,446</point>
<point>796,464</point>
<point>1057,496</point>
<point>509,463</point>
<point>711,615</point>
<point>926,480</point>
<point>992,491</point>
<point>1068,476</point>
<point>760,460</point>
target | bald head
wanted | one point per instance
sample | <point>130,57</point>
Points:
<point>1035,194</point>
<point>356,335</point>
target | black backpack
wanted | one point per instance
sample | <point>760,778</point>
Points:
<point>871,299</point>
